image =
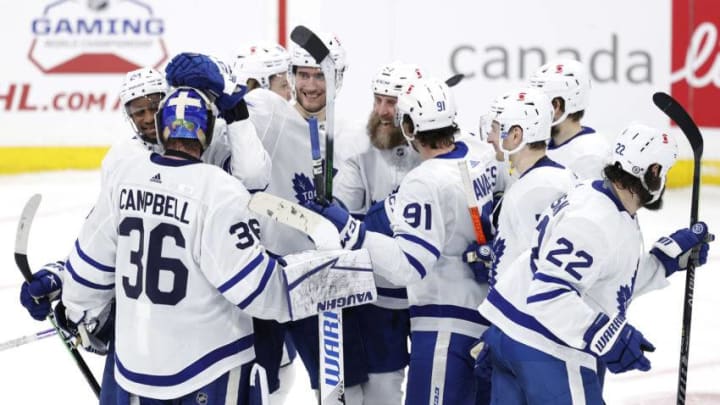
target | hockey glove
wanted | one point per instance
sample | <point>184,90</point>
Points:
<point>208,74</point>
<point>93,333</point>
<point>675,251</point>
<point>480,259</point>
<point>377,220</point>
<point>618,344</point>
<point>352,231</point>
<point>45,286</point>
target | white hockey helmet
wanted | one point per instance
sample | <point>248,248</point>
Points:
<point>390,79</point>
<point>141,83</point>
<point>428,103</point>
<point>261,61</point>
<point>567,79</point>
<point>638,147</point>
<point>300,57</point>
<point>528,108</point>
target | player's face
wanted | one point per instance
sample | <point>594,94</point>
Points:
<point>381,124</point>
<point>142,113</point>
<point>280,85</point>
<point>310,88</point>
<point>494,140</point>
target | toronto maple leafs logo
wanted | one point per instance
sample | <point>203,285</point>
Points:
<point>498,250</point>
<point>303,187</point>
<point>624,294</point>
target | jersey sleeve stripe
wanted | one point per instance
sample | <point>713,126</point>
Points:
<point>416,264</point>
<point>263,282</point>
<point>550,279</point>
<point>412,238</point>
<point>254,263</point>
<point>191,370</point>
<point>85,282</point>
<point>392,292</point>
<point>546,296</point>
<point>519,317</point>
<point>89,260</point>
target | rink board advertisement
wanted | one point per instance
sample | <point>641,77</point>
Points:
<point>65,61</point>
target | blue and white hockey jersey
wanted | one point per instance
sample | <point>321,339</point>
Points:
<point>432,228</point>
<point>586,153</point>
<point>522,205</point>
<point>587,258</point>
<point>171,241</point>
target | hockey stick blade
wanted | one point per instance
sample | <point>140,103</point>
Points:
<point>454,80</point>
<point>322,232</point>
<point>310,42</point>
<point>22,235</point>
<point>677,113</point>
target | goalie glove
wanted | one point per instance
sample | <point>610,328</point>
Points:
<point>208,74</point>
<point>93,329</point>
<point>675,251</point>
<point>618,344</point>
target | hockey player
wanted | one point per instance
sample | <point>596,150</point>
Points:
<point>365,181</point>
<point>579,148</point>
<point>200,276</point>
<point>236,150</point>
<point>523,118</point>
<point>283,130</point>
<point>264,65</point>
<point>431,228</point>
<point>563,303</point>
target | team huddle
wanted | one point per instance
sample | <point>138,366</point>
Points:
<point>500,263</point>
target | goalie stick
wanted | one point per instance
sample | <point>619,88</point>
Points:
<point>332,373</point>
<point>480,237</point>
<point>21,243</point>
<point>677,113</point>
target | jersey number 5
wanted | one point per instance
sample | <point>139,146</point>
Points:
<point>156,263</point>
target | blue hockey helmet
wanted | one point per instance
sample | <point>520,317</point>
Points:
<point>185,113</point>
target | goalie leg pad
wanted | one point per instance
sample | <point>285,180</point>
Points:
<point>328,280</point>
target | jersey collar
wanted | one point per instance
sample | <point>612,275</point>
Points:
<point>603,187</point>
<point>583,131</point>
<point>165,161</point>
<point>459,152</point>
<point>544,161</point>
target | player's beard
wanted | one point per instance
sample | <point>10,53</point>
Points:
<point>383,136</point>
<point>554,131</point>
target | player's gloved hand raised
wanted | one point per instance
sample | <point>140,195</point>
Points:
<point>480,259</point>
<point>209,74</point>
<point>352,231</point>
<point>44,287</point>
<point>618,344</point>
<point>675,251</point>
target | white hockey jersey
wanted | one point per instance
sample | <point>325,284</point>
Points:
<point>586,154</point>
<point>286,137</point>
<point>172,242</point>
<point>432,228</point>
<point>587,258</point>
<point>235,148</point>
<point>522,204</point>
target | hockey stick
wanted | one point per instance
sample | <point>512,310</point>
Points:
<point>306,39</point>
<point>21,243</point>
<point>27,339</point>
<point>480,237</point>
<point>322,232</point>
<point>677,113</point>
<point>332,373</point>
<point>318,179</point>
